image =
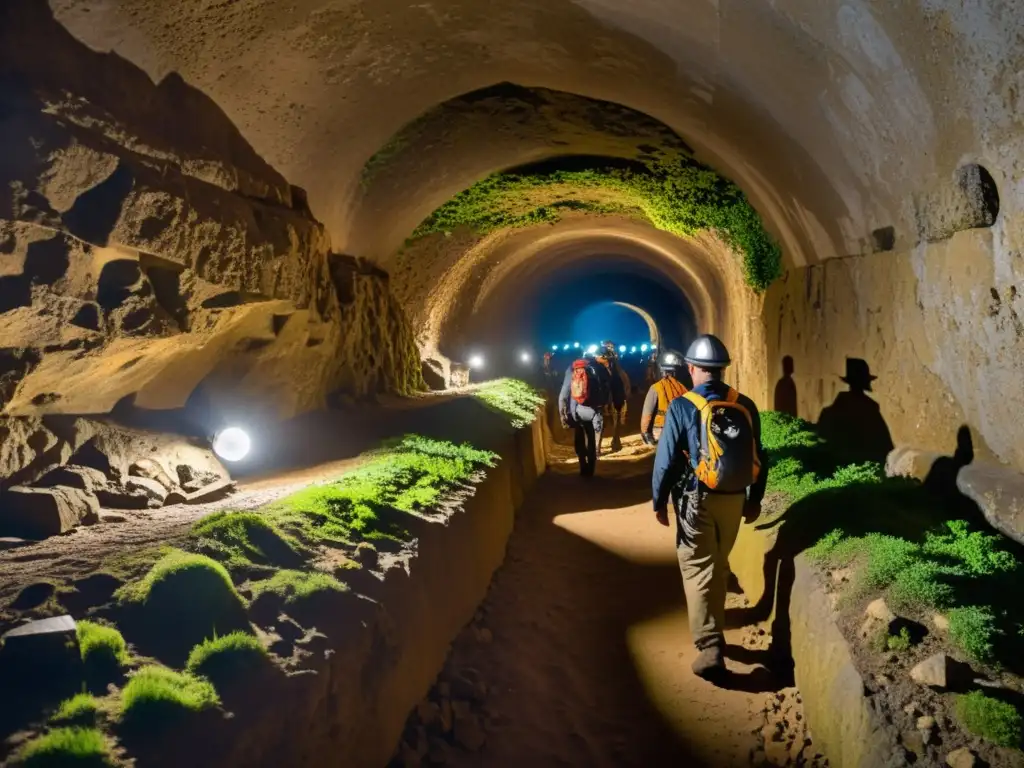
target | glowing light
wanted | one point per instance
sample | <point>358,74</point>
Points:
<point>671,359</point>
<point>565,347</point>
<point>476,361</point>
<point>622,348</point>
<point>592,349</point>
<point>524,357</point>
<point>231,444</point>
<point>575,345</point>
<point>554,347</point>
<point>643,347</point>
<point>632,349</point>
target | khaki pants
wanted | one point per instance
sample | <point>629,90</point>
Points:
<point>704,538</point>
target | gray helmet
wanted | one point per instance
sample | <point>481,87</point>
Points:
<point>670,361</point>
<point>708,351</point>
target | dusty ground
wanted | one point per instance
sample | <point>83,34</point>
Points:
<point>581,653</point>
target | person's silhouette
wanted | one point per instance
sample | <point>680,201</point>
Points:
<point>785,390</point>
<point>853,423</point>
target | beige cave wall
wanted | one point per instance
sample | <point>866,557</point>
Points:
<point>941,325</point>
<point>146,249</point>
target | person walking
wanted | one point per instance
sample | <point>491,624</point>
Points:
<point>710,462</point>
<point>586,391</point>
<point>661,393</point>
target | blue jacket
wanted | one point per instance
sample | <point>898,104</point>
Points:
<point>681,433</point>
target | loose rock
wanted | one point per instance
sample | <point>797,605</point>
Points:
<point>941,622</point>
<point>878,609</point>
<point>938,671</point>
<point>151,488</point>
<point>37,513</point>
<point>961,758</point>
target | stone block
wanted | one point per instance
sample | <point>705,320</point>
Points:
<point>999,493</point>
<point>42,512</point>
<point>47,644</point>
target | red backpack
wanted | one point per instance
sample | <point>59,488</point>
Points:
<point>580,386</point>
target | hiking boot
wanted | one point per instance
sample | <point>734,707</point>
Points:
<point>710,663</point>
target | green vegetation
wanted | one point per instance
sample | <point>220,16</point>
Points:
<point>899,642</point>
<point>992,719</point>
<point>80,709</point>
<point>244,539</point>
<point>66,747</point>
<point>103,648</point>
<point>514,398</point>
<point>682,197</point>
<point>297,586</point>
<point>373,501</point>
<point>226,659</point>
<point>897,541</point>
<point>155,696</point>
<point>184,599</point>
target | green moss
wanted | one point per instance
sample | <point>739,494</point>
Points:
<point>973,628</point>
<point>297,586</point>
<point>992,719</point>
<point>516,399</point>
<point>244,539</point>
<point>679,196</point>
<point>182,600</point>
<point>66,747</point>
<point>80,709</point>
<point>103,648</point>
<point>227,659</point>
<point>156,696</point>
<point>899,642</point>
<point>371,503</point>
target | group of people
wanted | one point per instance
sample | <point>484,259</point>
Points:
<point>707,465</point>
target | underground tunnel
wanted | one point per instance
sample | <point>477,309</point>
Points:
<point>283,480</point>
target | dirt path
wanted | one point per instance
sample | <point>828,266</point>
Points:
<point>587,653</point>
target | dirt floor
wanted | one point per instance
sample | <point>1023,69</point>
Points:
<point>581,653</point>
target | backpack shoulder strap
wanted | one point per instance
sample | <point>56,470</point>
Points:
<point>696,399</point>
<point>732,395</point>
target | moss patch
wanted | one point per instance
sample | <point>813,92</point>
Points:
<point>513,398</point>
<point>103,648</point>
<point>184,599</point>
<point>244,539</point>
<point>81,709</point>
<point>80,747</point>
<point>227,659</point>
<point>156,696</point>
<point>679,196</point>
<point>992,719</point>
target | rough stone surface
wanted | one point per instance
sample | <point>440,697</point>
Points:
<point>961,758</point>
<point>41,512</point>
<point>999,493</point>
<point>935,671</point>
<point>879,610</point>
<point>45,645</point>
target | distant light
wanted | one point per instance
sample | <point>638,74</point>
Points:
<point>653,347</point>
<point>476,361</point>
<point>231,444</point>
<point>524,357</point>
<point>554,347</point>
<point>643,347</point>
<point>575,345</point>
<point>565,347</point>
<point>632,349</point>
<point>622,348</point>
<point>592,349</point>
<point>670,359</point>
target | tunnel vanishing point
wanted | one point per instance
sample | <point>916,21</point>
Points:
<point>267,205</point>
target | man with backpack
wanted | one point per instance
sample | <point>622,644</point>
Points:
<point>711,462</point>
<point>586,390</point>
<point>661,393</point>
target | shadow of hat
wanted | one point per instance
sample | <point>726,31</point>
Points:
<point>858,374</point>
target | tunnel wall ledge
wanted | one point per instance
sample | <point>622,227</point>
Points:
<point>997,490</point>
<point>354,701</point>
<point>844,723</point>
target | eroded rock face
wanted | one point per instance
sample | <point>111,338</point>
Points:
<point>145,248</point>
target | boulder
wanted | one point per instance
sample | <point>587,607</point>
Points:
<point>999,493</point>
<point>42,512</point>
<point>212,492</point>
<point>879,610</point>
<point>961,758</point>
<point>942,672</point>
<point>71,476</point>
<point>153,489</point>
<point>147,469</point>
<point>47,644</point>
<point>120,499</point>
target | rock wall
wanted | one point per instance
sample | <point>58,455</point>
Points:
<point>146,249</point>
<point>939,324</point>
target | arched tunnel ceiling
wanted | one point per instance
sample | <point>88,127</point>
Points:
<point>827,114</point>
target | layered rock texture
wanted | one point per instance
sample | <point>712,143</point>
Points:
<point>146,250</point>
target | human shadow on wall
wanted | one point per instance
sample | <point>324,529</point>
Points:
<point>785,389</point>
<point>853,424</point>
